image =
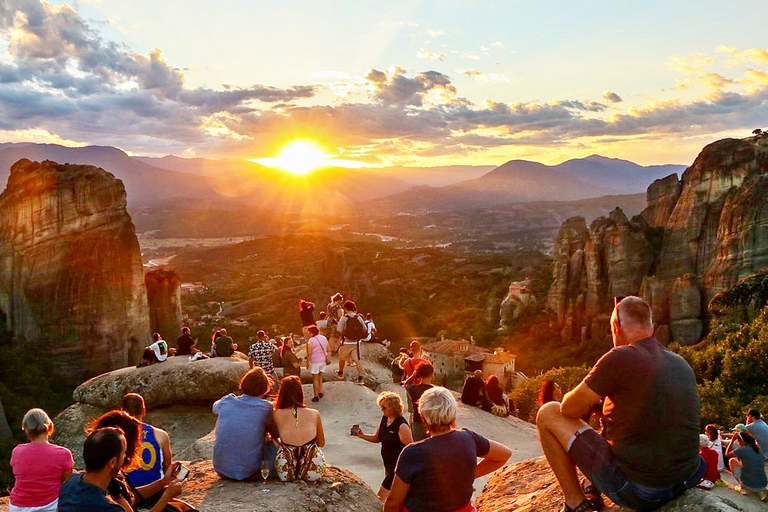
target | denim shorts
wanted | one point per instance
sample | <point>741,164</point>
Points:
<point>593,455</point>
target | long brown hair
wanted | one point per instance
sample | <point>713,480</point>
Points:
<point>291,393</point>
<point>131,428</point>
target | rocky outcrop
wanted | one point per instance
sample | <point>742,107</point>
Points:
<point>339,491</point>
<point>176,381</point>
<point>519,297</point>
<point>164,300</point>
<point>697,237</point>
<point>70,265</point>
<point>530,486</point>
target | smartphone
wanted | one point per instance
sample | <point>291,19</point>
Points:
<point>181,473</point>
<point>354,430</point>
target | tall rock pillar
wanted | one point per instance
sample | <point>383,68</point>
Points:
<point>164,297</point>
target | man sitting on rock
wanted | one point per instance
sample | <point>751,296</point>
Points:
<point>225,346</point>
<point>759,429</point>
<point>157,352</point>
<point>650,453</point>
<point>186,344</point>
<point>156,455</point>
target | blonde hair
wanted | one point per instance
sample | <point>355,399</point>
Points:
<point>437,407</point>
<point>392,400</point>
<point>36,423</point>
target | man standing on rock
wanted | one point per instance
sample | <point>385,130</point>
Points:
<point>260,354</point>
<point>352,328</point>
<point>156,455</point>
<point>650,452</point>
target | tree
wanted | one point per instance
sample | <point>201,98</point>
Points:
<point>757,131</point>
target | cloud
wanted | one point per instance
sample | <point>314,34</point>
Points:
<point>429,54</point>
<point>483,77</point>
<point>612,97</point>
<point>397,89</point>
<point>434,33</point>
<point>750,55</point>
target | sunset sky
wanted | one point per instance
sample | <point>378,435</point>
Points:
<point>401,82</point>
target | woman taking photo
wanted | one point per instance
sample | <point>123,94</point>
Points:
<point>747,465</point>
<point>436,474</point>
<point>291,363</point>
<point>301,435</point>
<point>393,433</point>
<point>39,467</point>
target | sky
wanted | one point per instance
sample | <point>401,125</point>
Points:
<point>411,82</point>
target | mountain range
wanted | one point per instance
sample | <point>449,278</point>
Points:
<point>238,186</point>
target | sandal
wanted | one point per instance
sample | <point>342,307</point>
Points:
<point>592,494</point>
<point>584,506</point>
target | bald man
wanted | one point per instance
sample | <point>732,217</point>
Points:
<point>649,454</point>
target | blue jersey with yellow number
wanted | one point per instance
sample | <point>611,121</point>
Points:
<point>151,462</point>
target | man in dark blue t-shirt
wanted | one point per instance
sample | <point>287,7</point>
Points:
<point>649,453</point>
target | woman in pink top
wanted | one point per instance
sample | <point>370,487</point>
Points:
<point>38,466</point>
<point>317,357</point>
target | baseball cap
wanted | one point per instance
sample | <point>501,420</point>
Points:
<point>739,428</point>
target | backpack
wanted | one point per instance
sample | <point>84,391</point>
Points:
<point>355,329</point>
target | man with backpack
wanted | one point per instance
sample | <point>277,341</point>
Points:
<point>353,329</point>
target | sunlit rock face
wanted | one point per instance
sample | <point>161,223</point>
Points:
<point>164,299</point>
<point>697,237</point>
<point>70,266</point>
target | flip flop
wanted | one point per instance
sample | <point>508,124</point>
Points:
<point>592,494</point>
<point>584,506</point>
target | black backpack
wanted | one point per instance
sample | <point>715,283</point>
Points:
<point>355,328</point>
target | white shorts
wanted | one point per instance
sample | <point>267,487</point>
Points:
<point>51,507</point>
<point>316,368</point>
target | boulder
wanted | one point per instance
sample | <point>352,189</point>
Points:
<point>375,374</point>
<point>71,274</point>
<point>338,491</point>
<point>185,424</point>
<point>176,381</point>
<point>530,486</point>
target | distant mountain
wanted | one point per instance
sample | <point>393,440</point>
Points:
<point>520,181</point>
<point>214,184</point>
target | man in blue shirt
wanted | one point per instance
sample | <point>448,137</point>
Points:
<point>759,429</point>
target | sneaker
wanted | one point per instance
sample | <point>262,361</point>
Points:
<point>741,490</point>
<point>360,380</point>
<point>315,398</point>
<point>321,395</point>
<point>338,374</point>
<point>764,495</point>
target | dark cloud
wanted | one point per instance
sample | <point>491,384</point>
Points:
<point>397,89</point>
<point>612,97</point>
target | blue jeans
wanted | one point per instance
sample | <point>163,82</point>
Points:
<point>594,457</point>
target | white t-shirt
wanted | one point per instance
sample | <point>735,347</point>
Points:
<point>717,445</point>
<point>371,326</point>
<point>155,347</point>
<point>322,326</point>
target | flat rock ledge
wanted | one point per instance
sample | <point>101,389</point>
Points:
<point>530,486</point>
<point>338,491</point>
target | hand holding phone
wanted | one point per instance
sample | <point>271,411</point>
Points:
<point>354,430</point>
<point>181,473</point>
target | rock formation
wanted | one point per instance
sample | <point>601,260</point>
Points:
<point>164,299</point>
<point>176,381</point>
<point>518,298</point>
<point>531,486</point>
<point>696,237</point>
<point>70,265</point>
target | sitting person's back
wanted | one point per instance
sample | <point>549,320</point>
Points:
<point>709,455</point>
<point>301,435</point>
<point>155,455</point>
<point>242,424</point>
<point>39,467</point>
<point>473,389</point>
<point>225,347</point>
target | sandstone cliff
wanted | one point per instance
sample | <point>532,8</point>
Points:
<point>70,265</point>
<point>164,299</point>
<point>696,237</point>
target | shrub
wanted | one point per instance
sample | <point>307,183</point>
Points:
<point>526,393</point>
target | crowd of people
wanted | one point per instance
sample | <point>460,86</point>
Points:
<point>268,431</point>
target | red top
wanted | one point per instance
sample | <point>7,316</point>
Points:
<point>710,457</point>
<point>410,365</point>
<point>38,468</point>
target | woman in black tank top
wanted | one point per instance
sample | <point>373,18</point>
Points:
<point>393,434</point>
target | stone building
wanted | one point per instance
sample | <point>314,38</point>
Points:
<point>463,356</point>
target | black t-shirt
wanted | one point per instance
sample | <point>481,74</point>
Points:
<point>389,436</point>
<point>288,360</point>
<point>414,393</point>
<point>307,316</point>
<point>473,390</point>
<point>651,412</point>
<point>184,344</point>
<point>78,496</point>
<point>441,470</point>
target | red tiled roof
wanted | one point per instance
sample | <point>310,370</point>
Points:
<point>454,347</point>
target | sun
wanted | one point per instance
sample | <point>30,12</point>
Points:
<point>299,157</point>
